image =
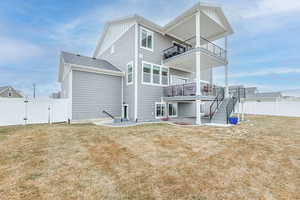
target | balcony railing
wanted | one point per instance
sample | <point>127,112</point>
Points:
<point>189,89</point>
<point>179,48</point>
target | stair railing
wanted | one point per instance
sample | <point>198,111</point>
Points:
<point>230,107</point>
<point>105,112</point>
<point>216,103</point>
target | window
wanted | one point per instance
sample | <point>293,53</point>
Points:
<point>129,73</point>
<point>146,73</point>
<point>160,110</point>
<point>172,109</point>
<point>155,74</point>
<point>146,39</point>
<point>9,94</point>
<point>177,80</point>
<point>164,76</point>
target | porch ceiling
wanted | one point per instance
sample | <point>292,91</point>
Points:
<point>187,61</point>
<point>186,28</point>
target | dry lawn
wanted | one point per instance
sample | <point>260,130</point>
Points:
<point>259,159</point>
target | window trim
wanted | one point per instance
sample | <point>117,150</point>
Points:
<point>151,74</point>
<point>129,83</point>
<point>155,110</point>
<point>176,106</point>
<point>152,41</point>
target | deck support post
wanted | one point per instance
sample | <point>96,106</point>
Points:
<point>198,70</point>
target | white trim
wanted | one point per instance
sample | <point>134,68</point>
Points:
<point>152,41</point>
<point>132,66</point>
<point>136,62</point>
<point>151,74</point>
<point>161,103</point>
<point>176,106</point>
<point>95,70</point>
<point>70,95</point>
<point>122,91</point>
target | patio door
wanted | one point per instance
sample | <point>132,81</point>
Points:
<point>125,111</point>
<point>160,110</point>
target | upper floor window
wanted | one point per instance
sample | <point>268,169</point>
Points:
<point>130,73</point>
<point>146,39</point>
<point>155,74</point>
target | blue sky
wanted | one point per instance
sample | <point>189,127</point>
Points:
<point>263,50</point>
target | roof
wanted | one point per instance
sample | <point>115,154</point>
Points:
<point>164,29</point>
<point>88,61</point>
<point>198,6</point>
<point>2,88</point>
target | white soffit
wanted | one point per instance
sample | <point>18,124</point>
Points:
<point>113,33</point>
<point>211,12</point>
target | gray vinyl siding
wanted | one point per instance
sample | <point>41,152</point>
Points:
<point>187,109</point>
<point>92,93</point>
<point>148,94</point>
<point>124,53</point>
<point>65,88</point>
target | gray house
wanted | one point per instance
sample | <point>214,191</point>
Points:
<point>142,71</point>
<point>9,92</point>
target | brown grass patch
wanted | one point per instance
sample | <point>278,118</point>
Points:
<point>258,159</point>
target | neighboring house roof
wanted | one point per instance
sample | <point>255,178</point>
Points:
<point>113,30</point>
<point>268,95</point>
<point>85,62</point>
<point>5,88</point>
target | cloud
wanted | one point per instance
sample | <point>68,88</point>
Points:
<point>16,51</point>
<point>273,7</point>
<point>265,72</point>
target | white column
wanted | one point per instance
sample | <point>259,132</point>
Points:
<point>198,70</point>
<point>226,70</point>
<point>136,54</point>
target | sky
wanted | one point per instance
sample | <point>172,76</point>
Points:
<point>263,51</point>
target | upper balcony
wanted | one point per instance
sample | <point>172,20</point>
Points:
<point>203,25</point>
<point>189,45</point>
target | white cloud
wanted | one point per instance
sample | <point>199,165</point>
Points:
<point>16,51</point>
<point>265,72</point>
<point>273,7</point>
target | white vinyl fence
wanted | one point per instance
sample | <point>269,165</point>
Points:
<point>18,111</point>
<point>281,108</point>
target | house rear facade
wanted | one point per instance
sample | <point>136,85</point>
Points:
<point>141,71</point>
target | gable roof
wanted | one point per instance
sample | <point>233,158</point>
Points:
<point>85,63</point>
<point>3,88</point>
<point>211,10</point>
<point>88,61</point>
<point>129,21</point>
<point>116,28</point>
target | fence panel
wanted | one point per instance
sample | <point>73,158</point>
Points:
<point>281,108</point>
<point>33,111</point>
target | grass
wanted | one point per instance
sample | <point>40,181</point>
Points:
<point>259,159</point>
